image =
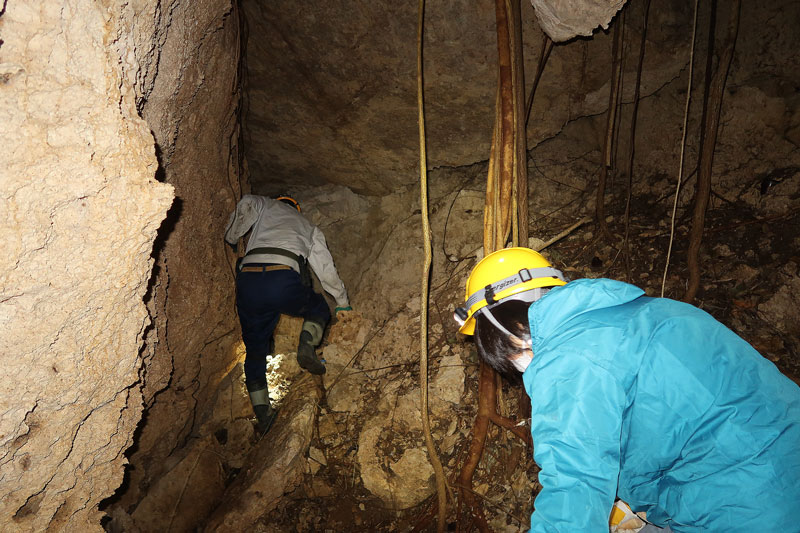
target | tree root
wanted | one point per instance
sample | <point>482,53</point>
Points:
<point>632,143</point>
<point>683,150</point>
<point>433,455</point>
<point>712,108</point>
<point>611,124</point>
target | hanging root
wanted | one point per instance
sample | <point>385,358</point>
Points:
<point>683,150</point>
<point>426,270</point>
<point>611,121</point>
<point>547,47</point>
<point>712,108</point>
<point>631,144</point>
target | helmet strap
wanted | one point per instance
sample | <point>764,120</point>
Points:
<point>527,296</point>
<point>523,276</point>
<point>488,314</point>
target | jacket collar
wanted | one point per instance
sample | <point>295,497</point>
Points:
<point>562,304</point>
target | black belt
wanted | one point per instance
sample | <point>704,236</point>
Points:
<point>300,261</point>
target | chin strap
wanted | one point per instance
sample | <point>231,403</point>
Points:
<point>488,314</point>
<point>527,296</point>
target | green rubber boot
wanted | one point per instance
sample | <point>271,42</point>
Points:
<point>310,338</point>
<point>259,398</point>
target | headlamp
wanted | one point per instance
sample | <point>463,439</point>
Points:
<point>460,315</point>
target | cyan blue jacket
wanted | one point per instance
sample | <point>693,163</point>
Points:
<point>656,402</point>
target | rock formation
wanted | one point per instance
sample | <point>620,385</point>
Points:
<point>80,211</point>
<point>562,20</point>
<point>341,78</point>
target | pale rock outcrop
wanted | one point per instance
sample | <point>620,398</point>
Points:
<point>562,20</point>
<point>400,474</point>
<point>400,483</point>
<point>343,386</point>
<point>276,464</point>
<point>79,213</point>
<point>447,386</point>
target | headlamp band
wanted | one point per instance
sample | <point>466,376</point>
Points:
<point>522,276</point>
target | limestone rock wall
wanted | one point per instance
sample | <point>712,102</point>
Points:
<point>186,60</point>
<point>79,210</point>
<point>562,20</point>
<point>93,334</point>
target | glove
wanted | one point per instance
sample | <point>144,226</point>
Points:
<point>348,308</point>
<point>623,518</point>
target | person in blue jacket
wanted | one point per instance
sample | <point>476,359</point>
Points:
<point>648,400</point>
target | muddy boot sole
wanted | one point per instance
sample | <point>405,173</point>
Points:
<point>307,358</point>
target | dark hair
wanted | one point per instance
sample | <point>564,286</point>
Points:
<point>494,346</point>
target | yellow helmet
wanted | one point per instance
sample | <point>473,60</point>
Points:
<point>513,273</point>
<point>289,200</point>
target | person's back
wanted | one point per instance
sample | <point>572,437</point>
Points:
<point>281,226</point>
<point>707,431</point>
<point>273,278</point>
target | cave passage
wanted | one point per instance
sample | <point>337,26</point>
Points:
<point>133,129</point>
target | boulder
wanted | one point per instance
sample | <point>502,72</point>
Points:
<point>276,464</point>
<point>562,20</point>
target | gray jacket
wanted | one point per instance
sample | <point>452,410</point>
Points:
<point>275,224</point>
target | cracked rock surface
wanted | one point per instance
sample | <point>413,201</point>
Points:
<point>80,210</point>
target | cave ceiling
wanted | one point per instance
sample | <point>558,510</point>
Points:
<point>331,86</point>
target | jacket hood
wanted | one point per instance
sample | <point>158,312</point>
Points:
<point>561,304</point>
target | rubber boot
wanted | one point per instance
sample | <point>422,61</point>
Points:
<point>259,398</point>
<point>310,337</point>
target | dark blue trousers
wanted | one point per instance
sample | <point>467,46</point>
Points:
<point>261,297</point>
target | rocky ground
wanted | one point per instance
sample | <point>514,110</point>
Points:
<point>750,282</point>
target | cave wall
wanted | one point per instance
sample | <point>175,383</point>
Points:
<point>332,86</point>
<point>188,91</point>
<point>112,109</point>
<point>79,211</point>
<point>377,247</point>
<point>120,166</point>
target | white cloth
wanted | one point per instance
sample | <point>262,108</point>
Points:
<point>275,224</point>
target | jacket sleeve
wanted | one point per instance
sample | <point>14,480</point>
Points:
<point>322,263</point>
<point>576,424</point>
<point>243,217</point>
